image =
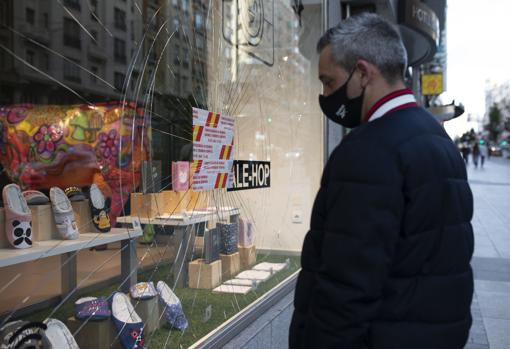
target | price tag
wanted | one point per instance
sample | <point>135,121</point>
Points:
<point>136,223</point>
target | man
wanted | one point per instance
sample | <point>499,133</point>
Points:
<point>385,264</point>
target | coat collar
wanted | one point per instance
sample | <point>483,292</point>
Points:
<point>393,101</point>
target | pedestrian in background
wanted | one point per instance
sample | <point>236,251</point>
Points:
<point>386,262</point>
<point>476,154</point>
<point>484,153</point>
<point>465,153</point>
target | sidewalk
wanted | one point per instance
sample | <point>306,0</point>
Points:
<point>491,261</point>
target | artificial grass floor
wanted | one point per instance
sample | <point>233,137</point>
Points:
<point>195,304</point>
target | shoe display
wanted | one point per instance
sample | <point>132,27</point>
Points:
<point>24,335</point>
<point>75,194</point>
<point>143,290</point>
<point>92,308</point>
<point>172,307</point>
<point>128,323</point>
<point>245,233</point>
<point>18,217</point>
<point>59,335</point>
<point>99,209</point>
<point>229,233</point>
<point>35,197</point>
<point>64,214</point>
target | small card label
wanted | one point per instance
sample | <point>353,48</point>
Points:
<point>136,223</point>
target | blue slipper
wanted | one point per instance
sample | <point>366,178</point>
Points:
<point>92,308</point>
<point>172,307</point>
<point>129,325</point>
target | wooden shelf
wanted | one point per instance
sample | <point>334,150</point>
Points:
<point>48,248</point>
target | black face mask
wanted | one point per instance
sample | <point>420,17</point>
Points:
<point>341,109</point>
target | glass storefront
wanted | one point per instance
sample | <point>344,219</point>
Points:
<point>159,162</point>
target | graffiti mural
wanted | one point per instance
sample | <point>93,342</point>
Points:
<point>42,146</point>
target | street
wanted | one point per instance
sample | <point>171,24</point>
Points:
<point>491,260</point>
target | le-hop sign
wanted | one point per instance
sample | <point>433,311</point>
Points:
<point>251,175</point>
<point>213,150</point>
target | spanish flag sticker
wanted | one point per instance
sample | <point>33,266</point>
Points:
<point>196,166</point>
<point>197,133</point>
<point>213,119</point>
<point>225,152</point>
<point>221,180</point>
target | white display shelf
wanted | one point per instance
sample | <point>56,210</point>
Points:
<point>191,218</point>
<point>48,248</point>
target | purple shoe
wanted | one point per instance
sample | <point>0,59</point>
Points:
<point>92,308</point>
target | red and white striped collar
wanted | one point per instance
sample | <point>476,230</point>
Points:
<point>394,101</point>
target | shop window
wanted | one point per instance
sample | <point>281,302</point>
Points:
<point>75,4</point>
<point>72,33</point>
<point>94,35</point>
<point>30,16</point>
<point>30,57</point>
<point>107,142</point>
<point>95,71</point>
<point>44,62</point>
<point>72,71</point>
<point>119,50</point>
<point>120,19</point>
<point>46,20</point>
<point>118,80</point>
<point>93,10</point>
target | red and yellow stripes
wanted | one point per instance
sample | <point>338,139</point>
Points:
<point>226,151</point>
<point>197,133</point>
<point>196,166</point>
<point>213,119</point>
<point>221,180</point>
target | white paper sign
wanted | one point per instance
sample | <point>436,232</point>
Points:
<point>213,149</point>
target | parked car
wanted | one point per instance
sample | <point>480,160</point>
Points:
<point>495,151</point>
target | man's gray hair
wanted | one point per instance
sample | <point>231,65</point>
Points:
<point>369,37</point>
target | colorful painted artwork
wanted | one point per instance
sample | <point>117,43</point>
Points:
<point>42,146</point>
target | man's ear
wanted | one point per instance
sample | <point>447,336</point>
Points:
<point>367,72</point>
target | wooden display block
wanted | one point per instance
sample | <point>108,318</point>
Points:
<point>248,256</point>
<point>43,223</point>
<point>204,276</point>
<point>151,205</point>
<point>149,311</point>
<point>4,243</point>
<point>83,216</point>
<point>230,265</point>
<point>95,334</point>
<point>176,202</point>
<point>147,205</point>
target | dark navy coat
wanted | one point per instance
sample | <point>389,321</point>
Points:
<point>386,263</point>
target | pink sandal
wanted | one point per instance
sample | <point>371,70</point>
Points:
<point>18,217</point>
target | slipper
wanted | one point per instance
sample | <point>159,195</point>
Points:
<point>99,209</point>
<point>128,323</point>
<point>143,290</point>
<point>245,233</point>
<point>229,235</point>
<point>75,194</point>
<point>172,307</point>
<point>59,335</point>
<point>64,215</point>
<point>92,308</point>
<point>24,334</point>
<point>35,197</point>
<point>18,217</point>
